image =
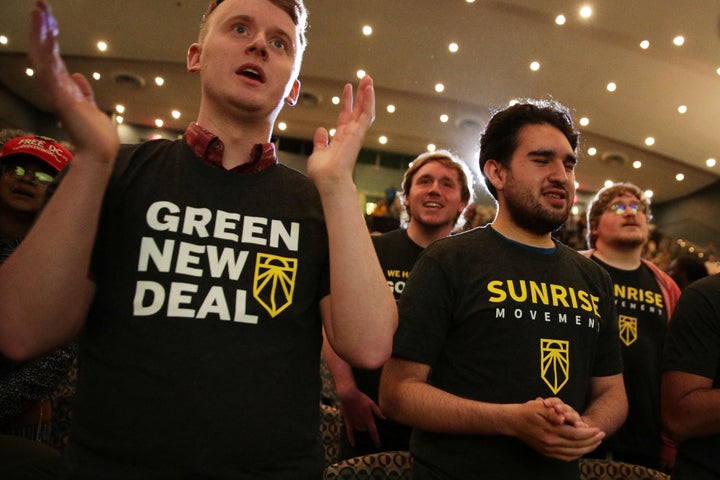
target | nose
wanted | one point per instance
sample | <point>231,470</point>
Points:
<point>258,46</point>
<point>558,172</point>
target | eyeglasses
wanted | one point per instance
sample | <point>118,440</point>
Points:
<point>621,208</point>
<point>20,171</point>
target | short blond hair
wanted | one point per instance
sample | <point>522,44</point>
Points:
<point>602,200</point>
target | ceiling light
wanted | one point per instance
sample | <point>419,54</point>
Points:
<point>102,46</point>
<point>453,47</point>
<point>649,193</point>
<point>361,73</point>
<point>96,75</point>
<point>119,118</point>
<point>534,66</point>
<point>3,39</point>
<point>637,164</point>
<point>120,108</point>
<point>718,71</point>
<point>439,87</point>
<point>560,19</point>
<point>679,177</point>
<point>29,72</point>
<point>710,162</point>
<point>649,141</point>
<point>332,132</point>
<point>175,114</point>
<point>679,40</point>
<point>335,100</point>
<point>586,11</point>
<point>282,126</point>
<point>431,147</point>
<point>645,44</point>
<point>611,87</point>
<point>444,118</point>
<point>682,109</point>
<point>584,121</point>
<point>159,123</point>
<point>391,108</point>
<point>159,81</point>
<point>608,183</point>
<point>470,1</point>
<point>367,30</point>
<point>382,139</point>
<point>592,151</point>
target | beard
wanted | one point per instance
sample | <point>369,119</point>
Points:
<point>530,215</point>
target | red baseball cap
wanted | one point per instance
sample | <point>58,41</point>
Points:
<point>44,148</point>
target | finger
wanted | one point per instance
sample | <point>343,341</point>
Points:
<point>320,139</point>
<point>84,86</point>
<point>377,412</point>
<point>365,102</point>
<point>346,106</point>
<point>374,436</point>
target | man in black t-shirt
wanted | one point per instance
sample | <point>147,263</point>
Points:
<point>618,220</point>
<point>506,361</point>
<point>436,189</point>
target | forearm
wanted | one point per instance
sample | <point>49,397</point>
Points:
<point>340,370</point>
<point>37,316</point>
<point>608,407</point>
<point>692,413</point>
<point>363,317</point>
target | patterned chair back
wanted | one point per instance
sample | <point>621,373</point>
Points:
<point>376,466</point>
<point>595,469</point>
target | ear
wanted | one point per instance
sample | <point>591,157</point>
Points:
<point>292,97</point>
<point>193,57</point>
<point>495,172</point>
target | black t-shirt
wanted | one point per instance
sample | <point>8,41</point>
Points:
<point>500,322</point>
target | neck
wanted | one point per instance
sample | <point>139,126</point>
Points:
<point>238,134</point>
<point>625,259</point>
<point>14,226</point>
<point>513,232</point>
<point>424,235</point>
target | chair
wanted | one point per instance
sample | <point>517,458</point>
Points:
<point>596,469</point>
<point>330,431</point>
<point>328,394</point>
<point>377,466</point>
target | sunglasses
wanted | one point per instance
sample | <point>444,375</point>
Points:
<point>622,209</point>
<point>20,171</point>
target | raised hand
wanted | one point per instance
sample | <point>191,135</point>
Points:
<point>332,162</point>
<point>70,96</point>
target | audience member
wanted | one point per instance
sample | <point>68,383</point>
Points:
<point>685,269</point>
<point>199,269</point>
<point>507,359</point>
<point>645,296</point>
<point>690,380</point>
<point>29,164</point>
<point>435,190</point>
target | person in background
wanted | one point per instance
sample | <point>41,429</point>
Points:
<point>28,166</point>
<point>506,361</point>
<point>200,271</point>
<point>691,380</point>
<point>436,188</point>
<point>618,226</point>
<point>685,269</point>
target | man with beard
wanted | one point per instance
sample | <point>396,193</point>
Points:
<point>645,296</point>
<point>435,190</point>
<point>507,359</point>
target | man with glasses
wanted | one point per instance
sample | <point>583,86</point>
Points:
<point>645,296</point>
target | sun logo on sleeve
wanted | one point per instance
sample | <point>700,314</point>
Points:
<point>628,329</point>
<point>554,363</point>
<point>274,282</point>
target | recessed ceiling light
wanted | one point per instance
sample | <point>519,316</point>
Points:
<point>96,75</point>
<point>592,151</point>
<point>335,100</point>
<point>645,44</point>
<point>560,19</point>
<point>102,46</point>
<point>682,108</point>
<point>608,183</point>
<point>367,30</point>
<point>637,164</point>
<point>391,108</point>
<point>444,118</point>
<point>710,162</point>
<point>120,108</point>
<point>3,40</point>
<point>361,73</point>
<point>584,121</point>
<point>586,11</point>
<point>29,72</point>
<point>332,132</point>
<point>439,87</point>
<point>282,126</point>
<point>159,81</point>
<point>649,193</point>
<point>453,47</point>
<point>679,40</point>
<point>176,114</point>
<point>679,177</point>
<point>119,118</point>
<point>649,141</point>
<point>382,139</point>
<point>159,123</point>
<point>535,66</point>
<point>611,87</point>
<point>431,147</point>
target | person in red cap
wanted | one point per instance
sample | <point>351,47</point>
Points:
<point>28,165</point>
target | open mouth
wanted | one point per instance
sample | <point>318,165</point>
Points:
<point>432,205</point>
<point>252,73</point>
